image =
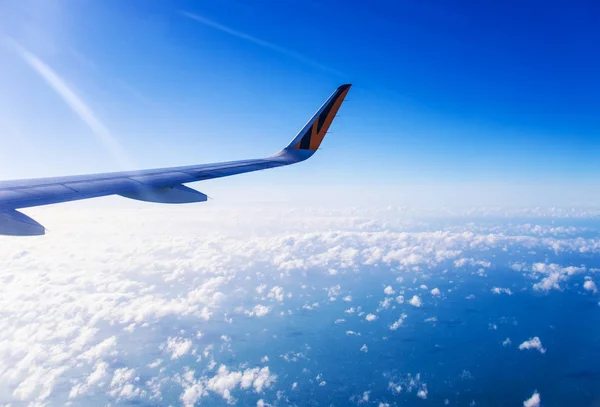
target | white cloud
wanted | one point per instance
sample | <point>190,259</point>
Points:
<point>435,292</point>
<point>371,317</point>
<point>225,381</point>
<point>155,364</point>
<point>533,343</point>
<point>533,401</point>
<point>259,310</point>
<point>178,347</point>
<point>364,348</point>
<point>398,323</point>
<point>122,386</point>
<point>385,304</point>
<point>500,290</point>
<point>276,293</point>
<point>589,285</point>
<point>395,387</point>
<point>95,378</point>
<point>389,290</point>
<point>400,299</point>
<point>506,342</point>
<point>192,393</point>
<point>553,275</point>
<point>104,348</point>
<point>415,301</point>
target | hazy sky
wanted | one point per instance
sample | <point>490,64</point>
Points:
<point>484,103</point>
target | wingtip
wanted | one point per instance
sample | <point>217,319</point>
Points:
<point>311,136</point>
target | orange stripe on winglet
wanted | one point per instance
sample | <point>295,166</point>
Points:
<point>316,139</point>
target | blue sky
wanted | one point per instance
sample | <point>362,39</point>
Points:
<point>482,99</point>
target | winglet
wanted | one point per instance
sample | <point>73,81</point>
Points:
<point>312,134</point>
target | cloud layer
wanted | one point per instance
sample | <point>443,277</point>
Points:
<point>80,302</point>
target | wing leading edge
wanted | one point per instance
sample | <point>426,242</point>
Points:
<point>163,185</point>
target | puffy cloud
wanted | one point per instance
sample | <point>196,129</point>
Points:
<point>533,401</point>
<point>155,364</point>
<point>589,285</point>
<point>259,310</point>
<point>409,383</point>
<point>398,323</point>
<point>276,293</point>
<point>122,386</point>
<point>553,275</point>
<point>415,301</point>
<point>104,348</point>
<point>500,290</point>
<point>506,342</point>
<point>225,381</point>
<point>371,317</point>
<point>436,292</point>
<point>95,378</point>
<point>389,290</point>
<point>385,304</point>
<point>178,347</point>
<point>533,343</point>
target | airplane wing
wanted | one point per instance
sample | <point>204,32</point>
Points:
<point>163,185</point>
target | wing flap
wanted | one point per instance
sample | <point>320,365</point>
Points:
<point>15,223</point>
<point>178,194</point>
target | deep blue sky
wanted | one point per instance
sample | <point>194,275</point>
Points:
<point>460,93</point>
